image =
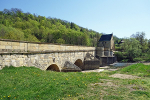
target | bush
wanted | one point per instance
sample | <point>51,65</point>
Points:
<point>125,60</point>
<point>120,56</point>
<point>138,59</point>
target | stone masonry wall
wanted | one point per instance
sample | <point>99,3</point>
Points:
<point>42,61</point>
<point>40,55</point>
<point>22,46</point>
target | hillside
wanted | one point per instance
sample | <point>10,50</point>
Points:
<point>16,25</point>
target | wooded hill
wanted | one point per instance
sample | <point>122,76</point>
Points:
<point>16,25</point>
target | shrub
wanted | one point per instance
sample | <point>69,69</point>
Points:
<point>138,59</point>
<point>120,56</point>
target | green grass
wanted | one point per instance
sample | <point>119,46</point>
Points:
<point>31,83</point>
<point>137,69</point>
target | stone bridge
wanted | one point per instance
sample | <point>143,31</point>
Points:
<point>47,56</point>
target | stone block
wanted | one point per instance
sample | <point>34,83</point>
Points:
<point>45,56</point>
<point>29,63</point>
<point>70,67</point>
<point>17,63</point>
<point>22,48</point>
<point>25,47</point>
<point>22,44</point>
<point>9,50</point>
<point>2,47</point>
<point>4,50</point>
<point>5,43</point>
<point>15,43</point>
<point>90,65</point>
<point>15,47</point>
<point>8,47</point>
<point>32,60</point>
<point>13,63</point>
<point>1,60</point>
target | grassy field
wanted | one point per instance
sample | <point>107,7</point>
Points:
<point>30,83</point>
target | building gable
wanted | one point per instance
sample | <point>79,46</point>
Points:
<point>106,37</point>
<point>106,41</point>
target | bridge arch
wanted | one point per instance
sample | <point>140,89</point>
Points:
<point>79,63</point>
<point>53,67</point>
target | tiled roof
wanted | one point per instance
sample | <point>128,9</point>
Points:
<point>106,37</point>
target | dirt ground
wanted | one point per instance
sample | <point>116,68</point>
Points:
<point>124,76</point>
<point>101,69</point>
<point>146,63</point>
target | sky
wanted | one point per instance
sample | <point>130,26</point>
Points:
<point>120,17</point>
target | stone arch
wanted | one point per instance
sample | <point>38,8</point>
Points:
<point>53,67</point>
<point>79,63</point>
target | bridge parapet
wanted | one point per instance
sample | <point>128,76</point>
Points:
<point>42,55</point>
<point>23,46</point>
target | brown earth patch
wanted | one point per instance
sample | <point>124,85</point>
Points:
<point>135,87</point>
<point>105,84</point>
<point>124,76</point>
<point>146,63</point>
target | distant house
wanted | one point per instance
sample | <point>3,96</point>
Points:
<point>105,50</point>
<point>107,42</point>
<point>121,42</point>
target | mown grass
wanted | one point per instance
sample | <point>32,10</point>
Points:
<point>30,83</point>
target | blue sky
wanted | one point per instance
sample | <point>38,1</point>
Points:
<point>122,17</point>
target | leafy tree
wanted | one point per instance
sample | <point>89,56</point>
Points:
<point>74,26</point>
<point>132,48</point>
<point>5,22</point>
<point>140,36</point>
<point>11,33</point>
<point>116,39</point>
<point>31,38</point>
<point>149,43</point>
<point>60,41</point>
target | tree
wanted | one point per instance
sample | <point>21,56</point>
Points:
<point>132,48</point>
<point>11,33</point>
<point>50,38</point>
<point>6,11</point>
<point>60,40</point>
<point>140,36</point>
<point>149,43</point>
<point>74,26</point>
<point>85,40</point>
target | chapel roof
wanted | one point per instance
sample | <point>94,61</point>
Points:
<point>106,37</point>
